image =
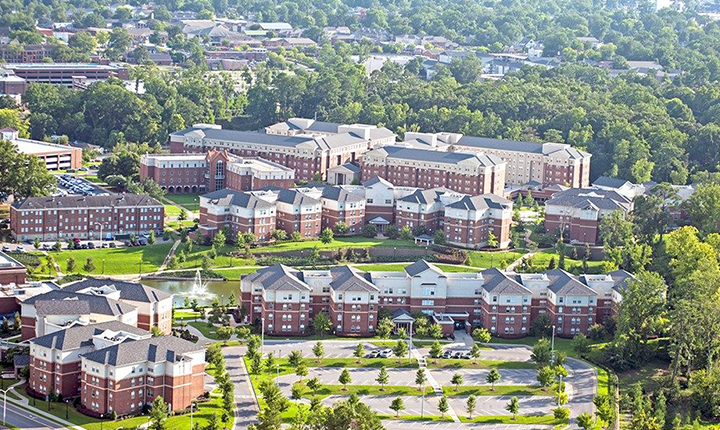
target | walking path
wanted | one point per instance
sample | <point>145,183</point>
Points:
<point>24,403</point>
<point>169,255</point>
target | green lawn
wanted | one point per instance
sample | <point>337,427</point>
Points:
<point>338,243</point>
<point>207,331</point>
<point>186,314</point>
<point>364,390</point>
<point>459,363</point>
<point>195,258</point>
<point>201,416</point>
<point>355,362</point>
<point>541,261</point>
<point>399,267</point>
<point>235,274</point>
<point>499,259</point>
<point>500,390</point>
<point>434,418</point>
<point>118,261</point>
<point>190,202</point>
<point>519,419</point>
<point>172,210</point>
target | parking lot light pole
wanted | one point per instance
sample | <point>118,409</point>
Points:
<point>422,402</point>
<point>262,336</point>
<point>5,403</point>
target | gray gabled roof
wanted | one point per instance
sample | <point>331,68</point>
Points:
<point>97,304</point>
<point>620,280</point>
<point>606,181</point>
<point>375,179</point>
<point>62,307</point>
<point>346,278</point>
<point>128,290</point>
<point>421,266</point>
<point>591,197</point>
<point>339,194</point>
<point>238,198</point>
<point>498,282</point>
<point>279,277</point>
<point>485,201</point>
<point>437,156</point>
<point>82,202</point>
<point>563,283</point>
<point>296,198</point>
<point>79,336</point>
<point>425,197</point>
<point>155,350</point>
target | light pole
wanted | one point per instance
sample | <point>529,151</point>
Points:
<point>262,336</point>
<point>5,403</point>
<point>552,348</point>
<point>101,230</point>
<point>191,414</point>
<point>277,377</point>
<point>411,344</point>
<point>422,402</point>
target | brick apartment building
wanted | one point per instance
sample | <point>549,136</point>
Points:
<point>286,299</point>
<point>115,367</point>
<point>11,270</point>
<point>304,150</point>
<point>11,85</point>
<point>307,210</point>
<point>462,172</point>
<point>527,162</point>
<point>96,300</point>
<point>67,217</point>
<point>25,53</point>
<point>577,212</point>
<point>212,171</point>
<point>469,221</point>
<point>55,157</point>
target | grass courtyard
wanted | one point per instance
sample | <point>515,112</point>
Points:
<point>190,202</point>
<point>338,243</point>
<point>115,261</point>
<point>500,259</point>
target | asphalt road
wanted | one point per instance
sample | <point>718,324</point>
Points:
<point>25,420</point>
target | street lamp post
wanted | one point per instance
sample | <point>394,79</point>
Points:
<point>262,336</point>
<point>277,377</point>
<point>552,348</point>
<point>422,402</point>
<point>5,403</point>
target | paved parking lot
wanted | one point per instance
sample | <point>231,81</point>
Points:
<point>430,425</point>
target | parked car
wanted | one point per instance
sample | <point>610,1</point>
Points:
<point>466,356</point>
<point>373,354</point>
<point>385,353</point>
<point>447,353</point>
<point>6,249</point>
<point>457,354</point>
<point>112,245</point>
<point>91,245</point>
<point>128,243</point>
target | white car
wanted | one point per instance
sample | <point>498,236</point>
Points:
<point>385,353</point>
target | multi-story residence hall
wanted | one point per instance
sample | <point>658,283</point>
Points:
<point>313,147</point>
<point>285,299</point>
<point>115,367</point>
<point>67,217</point>
<point>577,212</point>
<point>527,162</point>
<point>96,300</point>
<point>467,173</point>
<point>212,171</point>
<point>306,210</point>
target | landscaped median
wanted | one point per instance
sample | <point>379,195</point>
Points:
<point>500,390</point>
<point>460,363</point>
<point>361,390</point>
<point>518,419</point>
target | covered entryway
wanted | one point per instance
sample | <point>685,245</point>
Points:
<point>380,223</point>
<point>402,319</point>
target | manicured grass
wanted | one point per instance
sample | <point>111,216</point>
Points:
<point>186,314</point>
<point>519,419</point>
<point>561,344</point>
<point>459,363</point>
<point>434,418</point>
<point>194,259</point>
<point>363,390</point>
<point>355,362</point>
<point>207,331</point>
<point>190,202</point>
<point>118,261</point>
<point>172,211</point>
<point>428,343</point>
<point>541,261</point>
<point>399,267</point>
<point>500,390</point>
<point>499,259</point>
<point>235,274</point>
<point>338,243</point>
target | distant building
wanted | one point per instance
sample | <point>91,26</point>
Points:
<point>307,151</point>
<point>67,73</point>
<point>469,173</point>
<point>25,53</point>
<point>577,212</point>
<point>11,270</point>
<point>55,156</point>
<point>68,217</point>
<point>214,170</point>
<point>11,85</point>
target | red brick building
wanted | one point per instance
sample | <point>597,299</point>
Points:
<point>462,172</point>
<point>11,270</point>
<point>425,208</point>
<point>305,152</point>
<point>527,162</point>
<point>68,217</point>
<point>212,171</point>
<point>115,367</point>
<point>469,221</point>
<point>241,212</point>
<point>577,212</point>
<point>297,211</point>
<point>504,303</point>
